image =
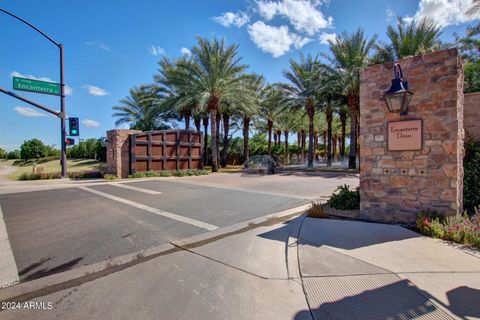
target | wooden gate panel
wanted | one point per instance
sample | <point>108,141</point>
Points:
<point>166,150</point>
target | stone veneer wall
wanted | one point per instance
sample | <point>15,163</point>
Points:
<point>118,152</point>
<point>395,185</point>
<point>472,114</point>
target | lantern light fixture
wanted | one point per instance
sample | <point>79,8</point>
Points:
<point>398,97</point>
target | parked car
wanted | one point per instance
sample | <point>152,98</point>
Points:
<point>261,163</point>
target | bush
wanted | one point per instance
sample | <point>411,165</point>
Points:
<point>58,175</point>
<point>108,176</point>
<point>168,173</point>
<point>460,228</point>
<point>345,199</point>
<point>316,211</point>
<point>471,164</point>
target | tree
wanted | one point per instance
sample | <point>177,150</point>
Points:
<point>302,92</point>
<point>271,107</point>
<point>3,153</point>
<point>142,109</point>
<point>409,38</point>
<point>12,155</point>
<point>351,53</point>
<point>178,95</point>
<point>32,149</point>
<point>343,116</point>
<point>288,122</point>
<point>216,77</point>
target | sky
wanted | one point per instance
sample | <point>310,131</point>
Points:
<point>111,46</point>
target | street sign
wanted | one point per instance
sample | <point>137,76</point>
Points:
<point>36,86</point>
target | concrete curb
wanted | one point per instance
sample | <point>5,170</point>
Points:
<point>40,287</point>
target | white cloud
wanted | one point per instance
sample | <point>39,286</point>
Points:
<point>95,91</point>
<point>229,18</point>
<point>99,45</point>
<point>390,13</point>
<point>29,112</point>
<point>304,15</point>
<point>326,37</point>
<point>186,51</point>
<point>156,50</point>
<point>444,12</point>
<point>68,89</point>
<point>89,123</point>
<point>275,40</point>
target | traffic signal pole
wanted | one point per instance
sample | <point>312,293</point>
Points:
<point>63,157</point>
<point>62,115</point>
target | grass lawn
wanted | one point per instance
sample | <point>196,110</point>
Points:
<point>228,169</point>
<point>4,163</point>
<point>75,165</point>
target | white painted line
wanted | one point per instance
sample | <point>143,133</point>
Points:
<point>126,186</point>
<point>8,268</point>
<point>169,215</point>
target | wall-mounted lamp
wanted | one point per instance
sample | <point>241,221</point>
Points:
<point>398,97</point>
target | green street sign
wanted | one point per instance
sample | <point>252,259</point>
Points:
<point>36,86</point>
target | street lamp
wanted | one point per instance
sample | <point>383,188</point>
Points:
<point>398,97</point>
<point>61,115</point>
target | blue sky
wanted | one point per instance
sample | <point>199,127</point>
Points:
<point>111,46</point>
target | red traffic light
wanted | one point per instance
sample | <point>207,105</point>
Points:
<point>70,141</point>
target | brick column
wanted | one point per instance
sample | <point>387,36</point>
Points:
<point>118,149</point>
<point>395,185</point>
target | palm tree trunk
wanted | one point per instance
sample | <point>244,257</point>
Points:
<point>352,158</point>
<point>315,142</point>
<point>279,137</point>
<point>198,123</point>
<point>299,139</point>
<point>329,137</point>
<point>187,115</point>
<point>343,120</point>
<point>287,155</point>
<point>302,146</point>
<point>226,128</point>
<point>214,133</point>
<point>205,140</point>
<point>246,131</point>
<point>218,119</point>
<point>270,128</point>
<point>311,114</point>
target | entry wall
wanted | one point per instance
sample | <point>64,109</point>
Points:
<point>118,152</point>
<point>472,114</point>
<point>395,185</point>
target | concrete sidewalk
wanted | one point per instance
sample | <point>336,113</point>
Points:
<point>359,270</point>
<point>298,269</point>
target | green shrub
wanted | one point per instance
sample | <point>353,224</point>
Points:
<point>316,211</point>
<point>93,174</point>
<point>471,178</point>
<point>459,228</point>
<point>345,199</point>
<point>108,176</point>
<point>168,173</point>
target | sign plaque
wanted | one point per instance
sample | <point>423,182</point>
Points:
<point>405,135</point>
<point>36,86</point>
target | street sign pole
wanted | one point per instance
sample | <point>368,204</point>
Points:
<point>62,118</point>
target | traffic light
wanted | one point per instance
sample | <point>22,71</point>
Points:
<point>73,127</point>
<point>69,141</point>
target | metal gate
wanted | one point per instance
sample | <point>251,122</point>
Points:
<point>165,150</point>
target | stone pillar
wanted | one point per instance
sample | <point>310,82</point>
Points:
<point>395,185</point>
<point>118,152</point>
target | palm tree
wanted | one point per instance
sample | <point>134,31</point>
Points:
<point>351,53</point>
<point>216,76</point>
<point>271,107</point>
<point>409,38</point>
<point>288,122</point>
<point>343,116</point>
<point>475,8</point>
<point>142,109</point>
<point>249,107</point>
<point>175,85</point>
<point>303,91</point>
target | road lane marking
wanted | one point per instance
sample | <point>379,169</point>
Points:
<point>162,213</point>
<point>8,267</point>
<point>126,186</point>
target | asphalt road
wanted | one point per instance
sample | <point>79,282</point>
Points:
<point>57,230</point>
